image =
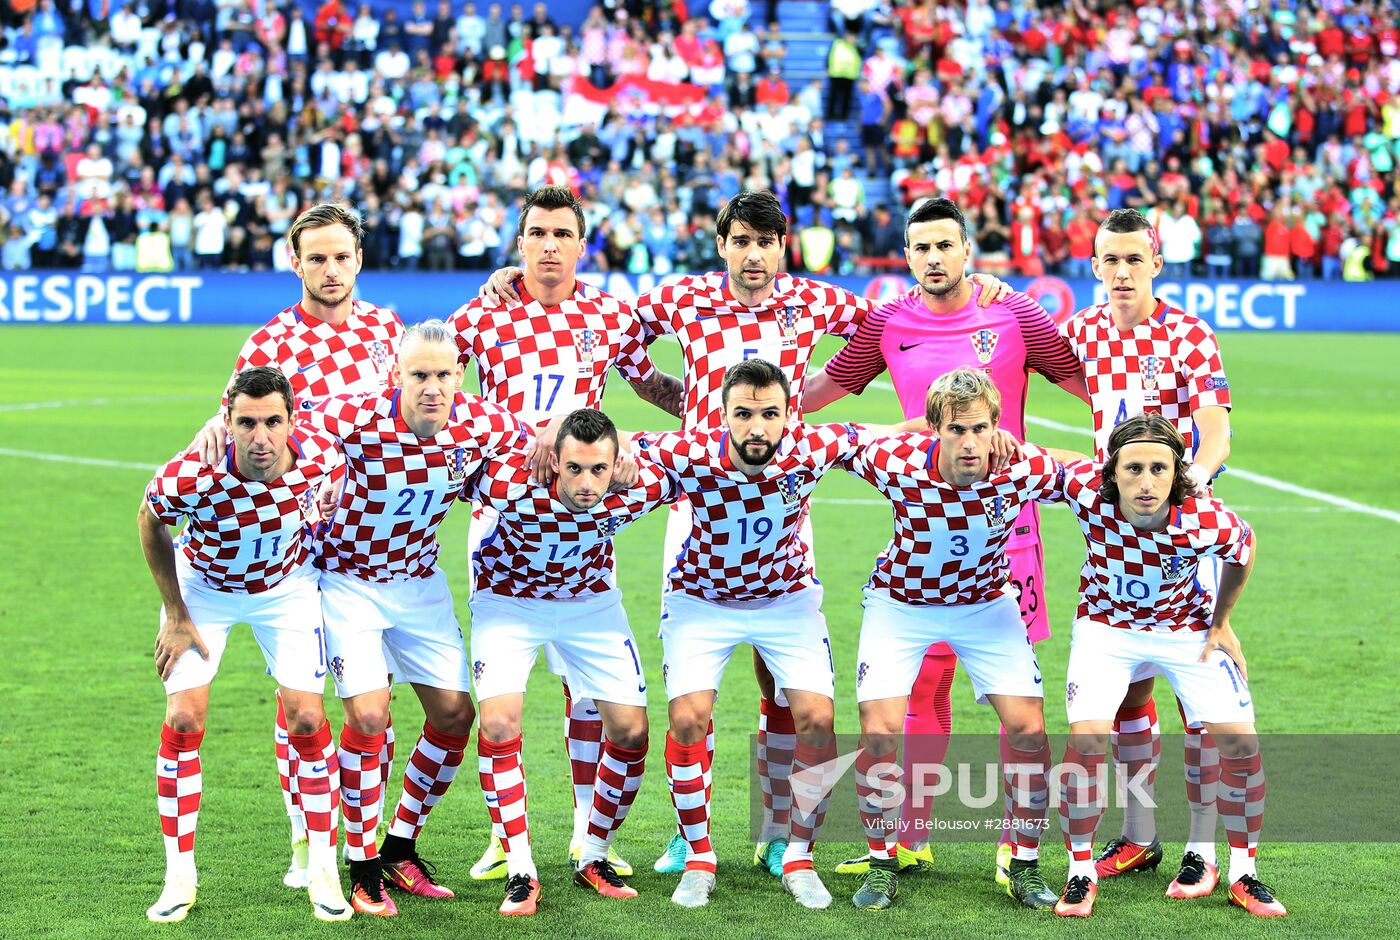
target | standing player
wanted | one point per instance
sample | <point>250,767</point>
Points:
<point>944,577</point>
<point>745,576</point>
<point>544,575</point>
<point>925,334</point>
<point>749,310</point>
<point>328,344</point>
<point>1143,357</point>
<point>243,557</point>
<point>409,452</point>
<point>541,359</point>
<point>1141,604</point>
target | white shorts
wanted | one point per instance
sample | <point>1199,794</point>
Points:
<point>989,639</point>
<point>699,636</point>
<point>1102,660</point>
<point>590,634</point>
<point>411,619</point>
<point>1208,577</point>
<point>286,622</point>
<point>483,520</point>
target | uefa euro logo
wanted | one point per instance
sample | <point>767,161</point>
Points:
<point>984,343</point>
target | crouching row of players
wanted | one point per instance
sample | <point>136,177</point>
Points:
<point>255,549</point>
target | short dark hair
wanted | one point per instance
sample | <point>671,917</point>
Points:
<point>587,426</point>
<point>1121,221</point>
<point>935,210</point>
<point>327,213</point>
<point>259,382</point>
<point>1145,428</point>
<point>549,198</point>
<point>760,210</point>
<point>760,373</point>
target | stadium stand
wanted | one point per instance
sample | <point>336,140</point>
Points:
<point>151,135</point>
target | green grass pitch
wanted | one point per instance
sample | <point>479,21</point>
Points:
<point>83,706</point>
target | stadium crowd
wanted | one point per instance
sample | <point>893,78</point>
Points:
<point>1260,138</point>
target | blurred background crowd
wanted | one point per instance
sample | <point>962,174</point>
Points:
<point>148,135</point>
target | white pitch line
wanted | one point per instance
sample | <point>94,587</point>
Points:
<point>1281,485</point>
<point>85,461</point>
<point>91,402</point>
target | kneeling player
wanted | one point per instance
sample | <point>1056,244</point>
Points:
<point>1141,603</point>
<point>244,557</point>
<point>544,575</point>
<point>944,578</point>
<point>409,452</point>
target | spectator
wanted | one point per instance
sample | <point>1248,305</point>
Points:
<point>210,227</point>
<point>1181,238</point>
<point>1248,240</point>
<point>1277,248</point>
<point>1302,246</point>
<point>874,118</point>
<point>1082,231</point>
<point>843,66</point>
<point>847,194</point>
<point>1220,245</point>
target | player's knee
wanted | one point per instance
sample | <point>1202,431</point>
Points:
<point>367,719</point>
<point>499,726</point>
<point>689,726</point>
<point>1235,741</point>
<point>630,734</point>
<point>306,719</point>
<point>815,720</point>
<point>184,718</point>
<point>458,718</point>
<point>1029,736</point>
<point>1089,742</point>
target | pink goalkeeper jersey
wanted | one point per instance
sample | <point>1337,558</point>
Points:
<point>1007,340</point>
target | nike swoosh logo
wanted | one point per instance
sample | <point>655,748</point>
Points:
<point>319,769</point>
<point>306,368</point>
<point>172,768</point>
<point>404,880</point>
<point>333,911</point>
<point>591,712</point>
<point>349,797</point>
<point>1119,864</point>
<point>493,799</point>
<point>320,673</point>
<point>703,314</point>
<point>1039,800</point>
<point>614,795</point>
<point>1037,680</point>
<point>171,910</point>
<point>1236,795</point>
<point>505,342</point>
<point>425,783</point>
<point>641,688</point>
<point>1244,702</point>
<point>904,348</point>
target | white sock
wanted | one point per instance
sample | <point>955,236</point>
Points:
<point>1205,850</point>
<point>1241,864</point>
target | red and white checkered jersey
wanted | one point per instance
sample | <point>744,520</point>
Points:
<point>1144,580</point>
<point>321,359</point>
<point>538,362</point>
<point>398,485</point>
<point>539,547</point>
<point>1169,365</point>
<point>244,535</point>
<point>716,332</point>
<point>745,542</point>
<point>949,544</point>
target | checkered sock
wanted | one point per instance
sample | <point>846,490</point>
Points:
<point>1202,768</point>
<point>813,779</point>
<point>386,768</point>
<point>618,779</point>
<point>1081,808</point>
<point>503,785</point>
<point>287,773</point>
<point>1137,750</point>
<point>318,782</point>
<point>1027,798</point>
<point>1241,801</point>
<point>583,740</point>
<point>688,774</point>
<point>360,796</point>
<point>881,821</point>
<point>179,784</point>
<point>777,737</point>
<point>430,771</point>
<point>927,726</point>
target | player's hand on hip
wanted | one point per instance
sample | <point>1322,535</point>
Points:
<point>993,288</point>
<point>177,635</point>
<point>1221,637</point>
<point>1005,449</point>
<point>501,286</point>
<point>211,441</point>
<point>540,461</point>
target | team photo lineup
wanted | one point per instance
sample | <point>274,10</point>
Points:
<point>308,509</point>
